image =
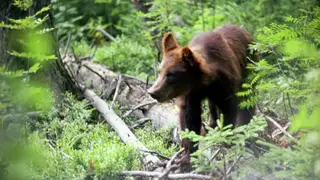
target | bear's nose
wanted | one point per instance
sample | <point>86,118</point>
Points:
<point>153,94</point>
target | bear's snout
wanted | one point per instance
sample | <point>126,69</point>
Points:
<point>153,94</point>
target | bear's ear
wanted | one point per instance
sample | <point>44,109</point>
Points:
<point>188,57</point>
<point>169,42</point>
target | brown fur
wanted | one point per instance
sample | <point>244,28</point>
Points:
<point>213,66</point>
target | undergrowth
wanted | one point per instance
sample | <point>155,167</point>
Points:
<point>65,144</point>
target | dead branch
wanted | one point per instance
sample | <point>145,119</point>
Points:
<point>279,127</point>
<point>276,132</point>
<point>95,72</point>
<point>106,34</point>
<point>67,45</point>
<point>170,176</point>
<point>139,106</point>
<point>156,153</point>
<point>174,157</point>
<point>94,52</point>
<point>140,122</point>
<point>231,167</point>
<point>224,168</point>
<point>215,154</point>
<point>119,126</point>
<point>169,164</point>
<point>117,90</point>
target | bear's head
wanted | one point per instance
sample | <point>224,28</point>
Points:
<point>178,72</point>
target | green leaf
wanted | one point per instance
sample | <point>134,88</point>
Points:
<point>34,68</point>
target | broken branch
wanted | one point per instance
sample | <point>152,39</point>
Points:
<point>106,34</point>
<point>140,122</point>
<point>117,91</point>
<point>137,107</point>
<point>279,127</point>
<point>169,164</point>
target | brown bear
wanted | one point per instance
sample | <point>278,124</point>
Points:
<point>212,66</point>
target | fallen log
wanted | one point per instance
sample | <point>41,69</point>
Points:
<point>131,92</point>
<point>150,161</point>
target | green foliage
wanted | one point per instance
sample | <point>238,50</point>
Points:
<point>66,145</point>
<point>68,148</point>
<point>290,51</point>
<point>123,55</point>
<point>159,141</point>
<point>300,162</point>
<point>220,137</point>
<point>23,4</point>
<point>291,68</point>
<point>31,44</point>
<point>72,16</point>
<point>29,22</point>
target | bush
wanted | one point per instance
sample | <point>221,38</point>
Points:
<point>67,148</point>
<point>124,55</point>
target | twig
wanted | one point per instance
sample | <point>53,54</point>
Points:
<point>251,61</point>
<point>156,153</point>
<point>224,168</point>
<point>276,124</point>
<point>117,90</point>
<point>170,176</point>
<point>77,60</point>
<point>140,122</point>
<point>285,106</point>
<point>215,154</point>
<point>156,61</point>
<point>230,168</point>
<point>169,164</point>
<point>84,58</point>
<point>155,68</point>
<point>131,77</point>
<point>279,127</point>
<point>106,34</point>
<point>289,102</point>
<point>73,78</point>
<point>137,107</point>
<point>52,148</point>
<point>147,81</point>
<point>128,84</point>
<point>95,72</point>
<point>74,55</point>
<point>94,52</point>
<point>67,46</point>
<point>277,131</point>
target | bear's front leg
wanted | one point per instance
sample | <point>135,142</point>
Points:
<point>190,118</point>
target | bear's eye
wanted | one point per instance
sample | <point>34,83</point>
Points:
<point>171,74</point>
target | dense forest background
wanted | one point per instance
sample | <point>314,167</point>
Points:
<point>49,131</point>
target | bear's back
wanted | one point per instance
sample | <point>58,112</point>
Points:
<point>224,47</point>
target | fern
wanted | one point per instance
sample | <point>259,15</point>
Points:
<point>27,22</point>
<point>23,4</point>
